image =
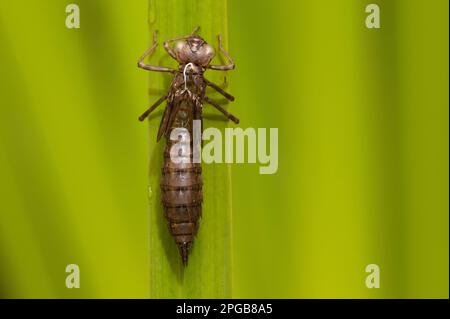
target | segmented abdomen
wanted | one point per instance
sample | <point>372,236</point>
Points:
<point>181,190</point>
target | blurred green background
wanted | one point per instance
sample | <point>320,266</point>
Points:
<point>363,149</point>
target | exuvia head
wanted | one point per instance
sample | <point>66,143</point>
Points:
<point>194,50</point>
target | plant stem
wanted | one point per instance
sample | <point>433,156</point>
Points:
<point>208,274</point>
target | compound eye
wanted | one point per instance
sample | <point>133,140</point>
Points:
<point>182,51</point>
<point>179,46</point>
<point>209,50</point>
<point>207,53</point>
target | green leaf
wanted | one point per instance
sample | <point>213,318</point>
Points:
<point>208,273</point>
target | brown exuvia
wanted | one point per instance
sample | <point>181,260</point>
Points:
<point>181,182</point>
